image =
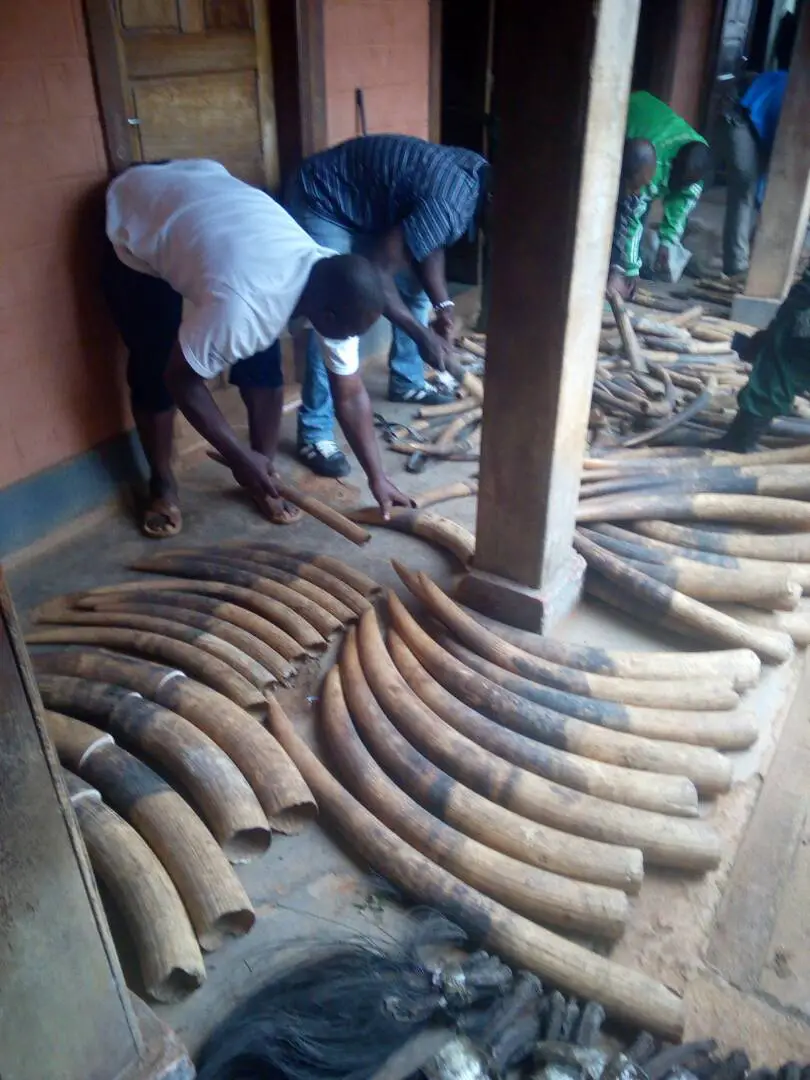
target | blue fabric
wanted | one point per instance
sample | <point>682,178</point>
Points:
<point>763,103</point>
<point>316,417</point>
<point>371,184</point>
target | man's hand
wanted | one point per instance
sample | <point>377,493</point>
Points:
<point>434,350</point>
<point>254,473</point>
<point>445,325</point>
<point>662,262</point>
<point>624,286</point>
<point>387,495</point>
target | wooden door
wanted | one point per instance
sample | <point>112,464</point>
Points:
<point>187,78</point>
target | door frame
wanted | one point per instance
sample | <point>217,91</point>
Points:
<point>108,67</point>
<point>311,76</point>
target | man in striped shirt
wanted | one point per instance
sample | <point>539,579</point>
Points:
<point>401,201</point>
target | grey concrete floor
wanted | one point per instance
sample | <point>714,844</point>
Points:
<point>309,889</point>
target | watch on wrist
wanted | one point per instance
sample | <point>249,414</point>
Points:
<point>443,305</point>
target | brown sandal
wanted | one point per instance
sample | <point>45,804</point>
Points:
<point>162,519</point>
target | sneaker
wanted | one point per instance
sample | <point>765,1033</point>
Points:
<point>325,458</point>
<point>422,395</point>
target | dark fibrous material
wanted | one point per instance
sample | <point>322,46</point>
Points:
<point>343,1012</point>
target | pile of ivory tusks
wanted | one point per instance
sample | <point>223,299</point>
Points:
<point>671,378</point>
<point>449,432</point>
<point>517,784</point>
<point>716,546</point>
<point>231,621</point>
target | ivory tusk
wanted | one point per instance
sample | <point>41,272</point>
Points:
<point>214,898</point>
<point>169,957</point>
<point>226,801</point>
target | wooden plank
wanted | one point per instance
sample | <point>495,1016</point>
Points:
<point>264,92</point>
<point>213,116</point>
<point>312,73</point>
<point>551,232</point>
<point>149,15</point>
<point>64,1008</point>
<point>154,55</point>
<point>192,16</point>
<point>229,14</point>
<point>783,221</point>
<point>109,65</point>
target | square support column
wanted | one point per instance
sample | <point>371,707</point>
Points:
<point>783,221</point>
<point>562,80</point>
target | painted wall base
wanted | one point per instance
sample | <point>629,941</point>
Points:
<point>33,508</point>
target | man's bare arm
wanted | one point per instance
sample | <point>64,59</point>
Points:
<point>194,400</point>
<point>354,413</point>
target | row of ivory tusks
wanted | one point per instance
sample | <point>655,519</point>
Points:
<point>521,787</point>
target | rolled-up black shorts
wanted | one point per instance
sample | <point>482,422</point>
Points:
<point>148,312</point>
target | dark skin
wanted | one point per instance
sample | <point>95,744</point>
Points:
<point>687,169</point>
<point>632,183</point>
<point>391,256</point>
<point>252,466</point>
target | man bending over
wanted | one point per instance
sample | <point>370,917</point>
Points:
<point>681,162</point>
<point>402,201</point>
<point>203,274</point>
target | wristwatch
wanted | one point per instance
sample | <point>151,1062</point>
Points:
<point>444,305</point>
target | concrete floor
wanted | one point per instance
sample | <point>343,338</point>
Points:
<point>734,942</point>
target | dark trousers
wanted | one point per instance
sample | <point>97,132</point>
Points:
<point>148,312</point>
<point>744,167</point>
<point>782,360</point>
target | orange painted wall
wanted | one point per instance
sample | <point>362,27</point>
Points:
<point>59,372</point>
<point>383,47</point>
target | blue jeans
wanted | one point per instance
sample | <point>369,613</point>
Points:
<point>406,370</point>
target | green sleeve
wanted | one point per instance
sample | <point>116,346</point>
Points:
<point>678,205</point>
<point>624,255</point>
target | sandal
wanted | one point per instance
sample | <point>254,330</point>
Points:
<point>161,519</point>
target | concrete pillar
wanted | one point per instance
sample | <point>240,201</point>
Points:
<point>65,1010</point>
<point>562,85</point>
<point>783,221</point>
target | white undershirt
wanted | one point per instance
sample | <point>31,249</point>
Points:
<point>235,256</point>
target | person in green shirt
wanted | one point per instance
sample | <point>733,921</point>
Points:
<point>682,159</point>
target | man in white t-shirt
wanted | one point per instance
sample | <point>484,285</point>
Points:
<point>203,274</point>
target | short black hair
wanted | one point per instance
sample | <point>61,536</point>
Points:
<point>690,165</point>
<point>351,285</point>
<point>638,153</point>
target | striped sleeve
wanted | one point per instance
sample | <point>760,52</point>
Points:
<point>432,224</point>
<point>678,205</point>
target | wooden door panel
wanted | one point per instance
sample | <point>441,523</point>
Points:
<point>150,15</point>
<point>153,56</point>
<point>193,78</point>
<point>202,116</point>
<point>228,14</point>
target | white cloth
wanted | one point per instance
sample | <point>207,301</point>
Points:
<point>235,256</point>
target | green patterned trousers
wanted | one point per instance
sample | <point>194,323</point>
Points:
<point>781,357</point>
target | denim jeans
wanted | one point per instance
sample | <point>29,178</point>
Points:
<point>406,370</point>
<point>743,171</point>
